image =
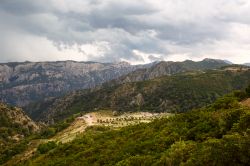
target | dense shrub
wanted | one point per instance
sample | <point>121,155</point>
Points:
<point>43,148</point>
<point>216,135</point>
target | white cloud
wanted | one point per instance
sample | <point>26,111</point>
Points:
<point>135,31</point>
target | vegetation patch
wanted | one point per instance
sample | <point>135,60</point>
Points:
<point>214,135</point>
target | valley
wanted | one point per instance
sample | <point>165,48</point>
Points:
<point>124,83</point>
<point>174,94</point>
<point>134,119</point>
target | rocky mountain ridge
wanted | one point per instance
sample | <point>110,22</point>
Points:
<point>26,82</point>
<point>164,68</point>
<point>22,83</point>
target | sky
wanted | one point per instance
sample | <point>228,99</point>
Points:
<point>136,31</point>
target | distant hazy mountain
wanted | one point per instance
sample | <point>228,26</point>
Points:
<point>229,62</point>
<point>247,64</point>
<point>22,83</point>
<point>169,68</point>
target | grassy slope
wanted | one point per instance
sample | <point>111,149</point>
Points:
<point>215,135</point>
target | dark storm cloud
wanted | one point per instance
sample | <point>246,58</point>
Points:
<point>24,7</point>
<point>110,30</point>
<point>191,33</point>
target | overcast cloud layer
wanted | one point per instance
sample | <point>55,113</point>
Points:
<point>138,31</point>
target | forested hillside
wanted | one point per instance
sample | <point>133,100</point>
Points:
<point>177,93</point>
<point>214,135</point>
<point>15,125</point>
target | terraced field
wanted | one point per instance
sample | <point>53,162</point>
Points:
<point>105,118</point>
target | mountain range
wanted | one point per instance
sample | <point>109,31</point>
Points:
<point>164,68</point>
<point>77,112</point>
<point>247,64</point>
<point>23,83</point>
<point>176,93</point>
<point>28,82</point>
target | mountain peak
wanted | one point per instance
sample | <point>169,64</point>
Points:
<point>122,64</point>
<point>211,60</point>
<point>216,60</point>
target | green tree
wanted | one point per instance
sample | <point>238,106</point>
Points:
<point>248,90</point>
<point>43,148</point>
